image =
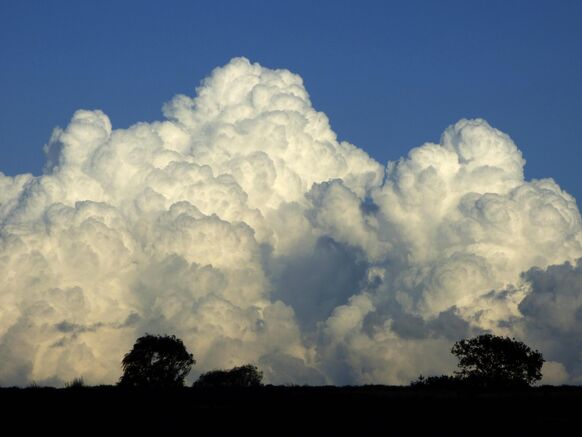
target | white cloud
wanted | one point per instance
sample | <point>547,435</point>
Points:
<point>242,225</point>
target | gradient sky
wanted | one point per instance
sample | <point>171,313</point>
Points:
<point>390,75</point>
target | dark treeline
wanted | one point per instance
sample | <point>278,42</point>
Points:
<point>491,392</point>
<point>485,362</point>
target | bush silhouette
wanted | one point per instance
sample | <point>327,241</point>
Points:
<point>156,361</point>
<point>243,376</point>
<point>489,360</point>
<point>438,382</point>
<point>76,383</point>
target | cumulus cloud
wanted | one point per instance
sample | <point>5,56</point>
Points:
<point>552,313</point>
<point>242,225</point>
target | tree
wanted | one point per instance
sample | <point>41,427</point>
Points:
<point>497,361</point>
<point>156,361</point>
<point>243,376</point>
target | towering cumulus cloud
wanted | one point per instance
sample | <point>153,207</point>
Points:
<point>242,225</point>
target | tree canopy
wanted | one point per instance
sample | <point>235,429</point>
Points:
<point>156,361</point>
<point>242,376</point>
<point>493,360</point>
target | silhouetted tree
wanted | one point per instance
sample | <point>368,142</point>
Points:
<point>156,361</point>
<point>489,360</point>
<point>243,376</point>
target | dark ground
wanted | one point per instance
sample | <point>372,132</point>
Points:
<point>277,410</point>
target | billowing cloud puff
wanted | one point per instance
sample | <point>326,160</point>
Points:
<point>552,313</point>
<point>242,225</point>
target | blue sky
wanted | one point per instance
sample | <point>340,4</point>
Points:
<point>390,75</point>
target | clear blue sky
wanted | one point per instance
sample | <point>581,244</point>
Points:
<point>390,75</point>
